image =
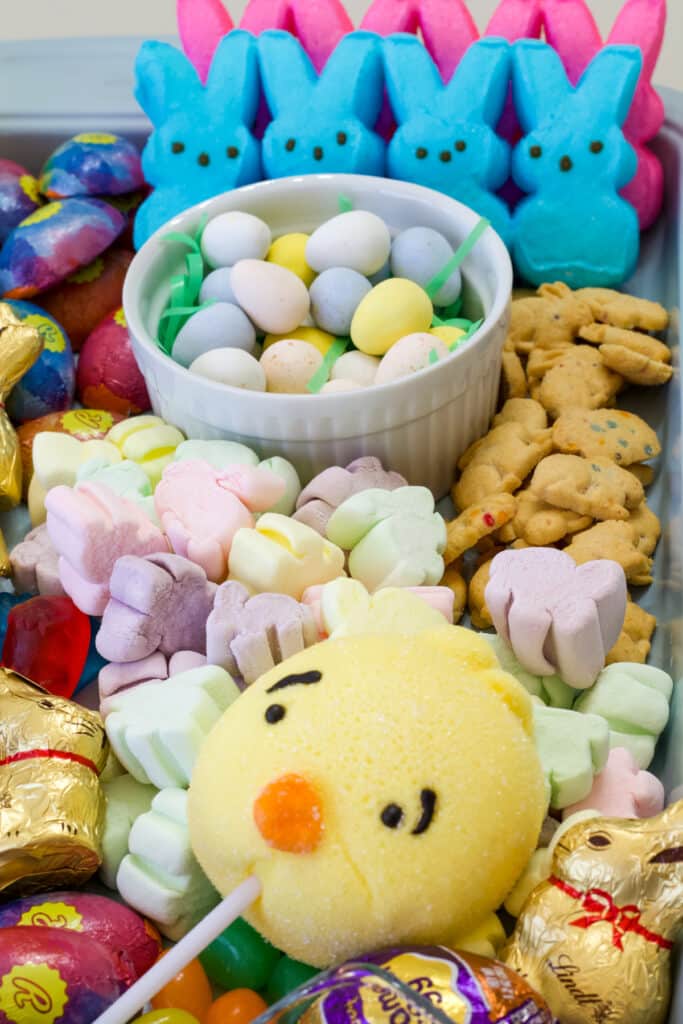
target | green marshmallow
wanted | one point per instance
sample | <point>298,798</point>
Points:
<point>219,454</point>
<point>634,701</point>
<point>573,748</point>
<point>125,800</point>
<point>550,689</point>
<point>286,471</point>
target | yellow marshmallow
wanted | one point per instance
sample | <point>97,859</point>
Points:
<point>347,607</point>
<point>147,440</point>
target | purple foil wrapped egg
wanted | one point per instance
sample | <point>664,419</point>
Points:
<point>53,974</point>
<point>19,196</point>
<point>462,986</point>
<point>90,165</point>
<point>50,383</point>
<point>54,242</point>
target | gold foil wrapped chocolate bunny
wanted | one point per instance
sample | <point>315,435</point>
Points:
<point>595,939</point>
<point>20,346</point>
<point>52,752</point>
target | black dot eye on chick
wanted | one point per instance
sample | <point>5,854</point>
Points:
<point>392,816</point>
<point>274,714</point>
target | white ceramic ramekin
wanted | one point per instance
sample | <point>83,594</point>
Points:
<point>419,425</point>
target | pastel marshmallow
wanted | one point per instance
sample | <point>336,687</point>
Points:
<point>202,508</point>
<point>634,701</point>
<point>57,459</point>
<point>125,800</point>
<point>160,877</point>
<point>573,749</point>
<point>113,678</point>
<point>160,603</point>
<point>550,689</point>
<point>156,730</point>
<point>35,565</point>
<point>147,440</point>
<point>622,790</point>
<point>329,489</point>
<point>347,607</point>
<point>91,527</point>
<point>250,635</point>
<point>283,556</point>
<point>556,616</point>
<point>395,538</point>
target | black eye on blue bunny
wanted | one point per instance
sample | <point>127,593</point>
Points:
<point>203,159</point>
<point>177,147</point>
<point>536,152</point>
<point>290,145</point>
<point>421,153</point>
<point>232,152</point>
<point>597,147</point>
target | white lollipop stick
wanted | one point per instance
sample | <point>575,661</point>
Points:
<point>180,955</point>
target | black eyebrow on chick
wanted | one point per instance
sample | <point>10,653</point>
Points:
<point>297,679</point>
<point>428,801</point>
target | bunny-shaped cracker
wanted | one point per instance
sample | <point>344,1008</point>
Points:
<point>446,136</point>
<point>573,159</point>
<point>322,123</point>
<point>202,143</point>
<point>571,30</point>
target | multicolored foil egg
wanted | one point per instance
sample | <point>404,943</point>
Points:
<point>52,753</point>
<point>132,943</point>
<point>83,424</point>
<point>50,384</point>
<point>108,373</point>
<point>50,974</point>
<point>54,242</point>
<point>20,346</point>
<point>92,164</point>
<point>19,196</point>
<point>468,989</point>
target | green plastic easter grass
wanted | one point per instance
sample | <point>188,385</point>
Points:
<point>461,253</point>
<point>185,289</point>
<point>345,204</point>
<point>322,375</point>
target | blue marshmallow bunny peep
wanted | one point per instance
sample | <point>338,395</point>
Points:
<point>202,143</point>
<point>322,123</point>
<point>574,159</point>
<point>446,137</point>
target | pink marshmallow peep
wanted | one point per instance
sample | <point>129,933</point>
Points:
<point>201,508</point>
<point>558,618</point>
<point>571,29</point>
<point>329,489</point>
<point>159,603</point>
<point>154,669</point>
<point>622,790</point>
<point>250,635</point>
<point>91,527</point>
<point>35,565</point>
<point>201,26</point>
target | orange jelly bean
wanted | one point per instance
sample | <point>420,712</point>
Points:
<point>190,991</point>
<point>241,1006</point>
<point>288,814</point>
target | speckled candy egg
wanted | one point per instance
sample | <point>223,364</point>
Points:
<point>234,236</point>
<point>232,366</point>
<point>127,936</point>
<point>289,366</point>
<point>335,297</point>
<point>419,254</point>
<point>221,325</point>
<point>357,239</point>
<point>52,974</point>
<point>409,355</point>
<point>95,164</point>
<point>49,384</point>
<point>19,196</point>
<point>357,367</point>
<point>108,374</point>
<point>390,311</point>
<point>274,298</point>
<point>83,300</point>
<point>54,242</point>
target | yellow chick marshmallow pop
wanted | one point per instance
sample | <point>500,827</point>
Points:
<point>383,789</point>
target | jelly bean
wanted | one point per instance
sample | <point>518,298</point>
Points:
<point>170,1016</point>
<point>231,366</point>
<point>335,297</point>
<point>234,236</point>
<point>418,254</point>
<point>240,958</point>
<point>357,239</point>
<point>47,641</point>
<point>392,310</point>
<point>241,1006</point>
<point>287,976</point>
<point>221,325</point>
<point>190,991</point>
<point>321,340</point>
<point>290,251</point>
<point>289,366</point>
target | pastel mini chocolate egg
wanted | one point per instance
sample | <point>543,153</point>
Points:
<point>92,164</point>
<point>418,254</point>
<point>83,300</point>
<point>127,936</point>
<point>274,298</point>
<point>231,366</point>
<point>221,325</point>
<point>357,367</point>
<point>289,366</point>
<point>290,251</point>
<point>335,296</point>
<point>54,242</point>
<point>448,334</point>
<point>339,385</point>
<point>392,310</point>
<point>313,335</point>
<point>108,373</point>
<point>234,236</point>
<point>357,239</point>
<point>19,196</point>
<point>50,383</point>
<point>409,355</point>
<point>216,286</point>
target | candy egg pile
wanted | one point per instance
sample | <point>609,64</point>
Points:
<point>342,309</point>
